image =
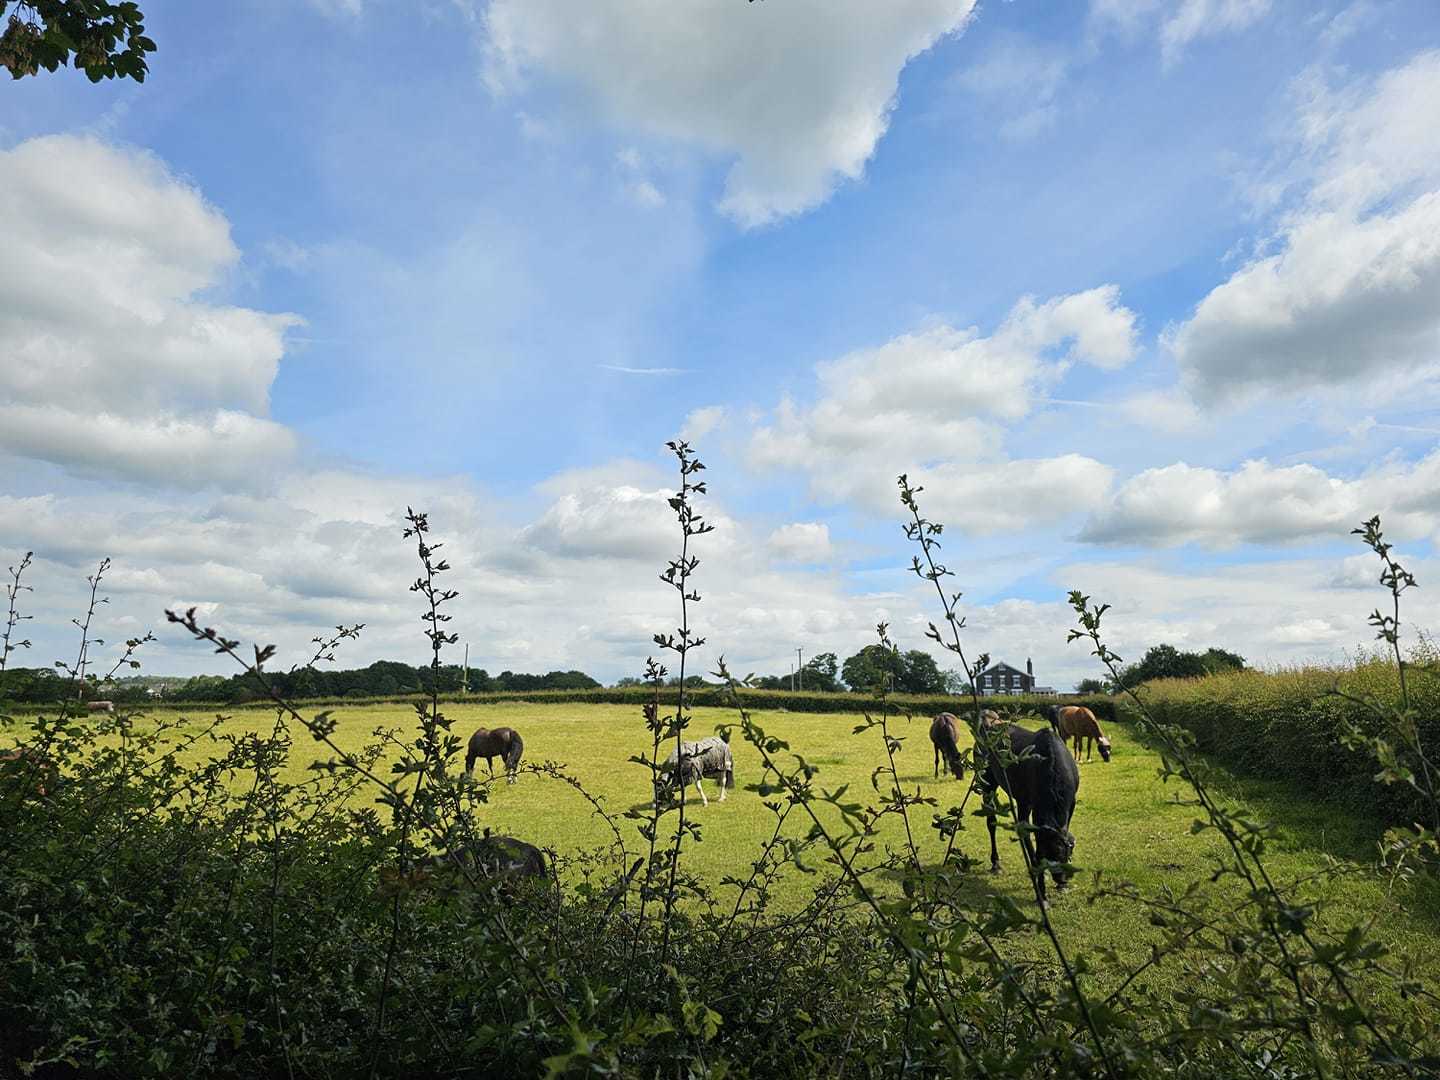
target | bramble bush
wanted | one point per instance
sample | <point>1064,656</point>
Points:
<point>163,919</point>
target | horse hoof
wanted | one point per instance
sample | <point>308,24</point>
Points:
<point>994,868</point>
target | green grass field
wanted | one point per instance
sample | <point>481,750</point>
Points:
<point>1127,825</point>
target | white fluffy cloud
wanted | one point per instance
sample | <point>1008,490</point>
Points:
<point>932,404</point>
<point>801,541</point>
<point>1263,504</point>
<point>1350,297</point>
<point>113,364</point>
<point>798,94</point>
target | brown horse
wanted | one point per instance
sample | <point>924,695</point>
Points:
<point>503,742</point>
<point>1077,722</point>
<point>944,731</point>
<point>39,770</point>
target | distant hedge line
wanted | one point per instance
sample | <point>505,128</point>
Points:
<point>718,697</point>
<point>1288,725</point>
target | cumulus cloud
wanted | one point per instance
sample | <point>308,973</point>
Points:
<point>797,94</point>
<point>1349,298</point>
<point>114,364</point>
<point>1259,503</point>
<point>1272,613</point>
<point>801,541</point>
<point>933,403</point>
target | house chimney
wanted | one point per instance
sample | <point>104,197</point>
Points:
<point>1029,668</point>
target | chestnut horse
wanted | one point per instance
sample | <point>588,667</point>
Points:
<point>1077,722</point>
<point>503,742</point>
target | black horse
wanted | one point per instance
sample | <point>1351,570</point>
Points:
<point>1041,780</point>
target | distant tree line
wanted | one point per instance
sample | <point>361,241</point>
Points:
<point>1168,662</point>
<point>381,679</point>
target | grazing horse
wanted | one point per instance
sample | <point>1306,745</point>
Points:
<point>1077,722</point>
<point>40,771</point>
<point>693,761</point>
<point>503,742</point>
<point>944,730</point>
<point>100,706</point>
<point>1041,783</point>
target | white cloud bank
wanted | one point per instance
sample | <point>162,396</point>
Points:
<point>1259,503</point>
<point>933,404</point>
<point>1349,300</point>
<point>114,364</point>
<point>797,93</point>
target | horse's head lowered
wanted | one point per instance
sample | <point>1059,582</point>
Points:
<point>1104,745</point>
<point>1054,845</point>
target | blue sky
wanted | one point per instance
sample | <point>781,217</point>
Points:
<point>1147,294</point>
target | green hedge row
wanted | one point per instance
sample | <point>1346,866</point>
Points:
<point>1289,725</point>
<point>719,697</point>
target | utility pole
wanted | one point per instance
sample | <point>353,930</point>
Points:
<point>792,677</point>
<point>465,674</point>
<point>800,668</point>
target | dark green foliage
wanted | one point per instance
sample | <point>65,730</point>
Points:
<point>912,672</point>
<point>106,40</point>
<point>1168,662</point>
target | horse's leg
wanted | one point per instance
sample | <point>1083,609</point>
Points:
<point>990,823</point>
<point>937,761</point>
<point>721,781</point>
<point>703,800</point>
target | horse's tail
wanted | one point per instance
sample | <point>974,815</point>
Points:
<point>1052,713</point>
<point>513,752</point>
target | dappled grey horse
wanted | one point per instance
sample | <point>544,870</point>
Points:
<point>694,760</point>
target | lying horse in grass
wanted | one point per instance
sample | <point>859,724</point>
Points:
<point>504,743</point>
<point>33,770</point>
<point>1041,780</point>
<point>693,761</point>
<point>494,860</point>
<point>1077,722</point>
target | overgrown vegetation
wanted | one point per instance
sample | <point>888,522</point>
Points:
<point>229,919</point>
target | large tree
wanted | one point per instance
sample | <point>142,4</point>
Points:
<point>105,40</point>
<point>869,668</point>
<point>921,674</point>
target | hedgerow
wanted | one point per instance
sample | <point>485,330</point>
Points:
<point>1293,724</point>
<point>719,697</point>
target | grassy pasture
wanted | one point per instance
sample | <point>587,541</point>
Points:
<point>1127,825</point>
